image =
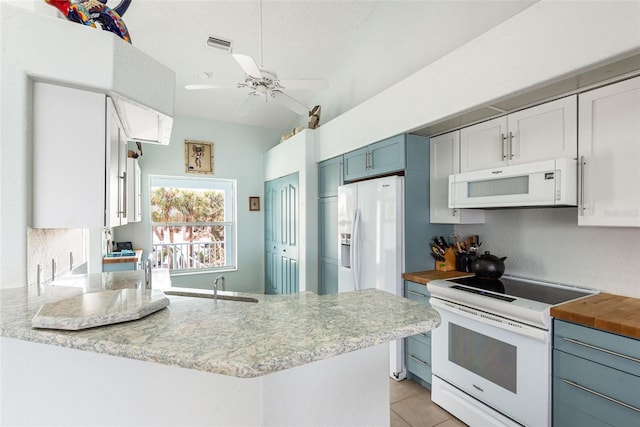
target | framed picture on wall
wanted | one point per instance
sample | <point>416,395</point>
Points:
<point>254,203</point>
<point>198,157</point>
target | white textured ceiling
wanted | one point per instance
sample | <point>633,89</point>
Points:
<point>360,47</point>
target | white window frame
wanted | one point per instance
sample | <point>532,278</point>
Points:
<point>229,186</point>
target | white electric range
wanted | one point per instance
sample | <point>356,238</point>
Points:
<point>491,356</point>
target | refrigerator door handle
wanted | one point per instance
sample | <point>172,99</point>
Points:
<point>355,249</point>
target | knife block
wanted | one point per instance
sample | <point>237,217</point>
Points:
<point>449,263</point>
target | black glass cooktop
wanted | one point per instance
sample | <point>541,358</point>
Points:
<point>535,291</point>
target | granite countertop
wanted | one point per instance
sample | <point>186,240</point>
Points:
<point>232,338</point>
<point>607,312</point>
<point>424,277</point>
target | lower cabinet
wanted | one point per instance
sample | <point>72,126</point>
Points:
<point>418,347</point>
<point>596,377</point>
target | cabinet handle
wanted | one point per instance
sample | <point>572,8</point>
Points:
<point>604,350</point>
<point>604,396</point>
<point>423,363</point>
<point>455,211</point>
<point>581,180</point>
<point>504,141</point>
<point>368,160</point>
<point>417,294</point>
<point>122,195</point>
<point>510,145</point>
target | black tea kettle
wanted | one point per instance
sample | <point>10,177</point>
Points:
<point>488,266</point>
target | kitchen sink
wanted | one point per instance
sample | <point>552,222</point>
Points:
<point>220,296</point>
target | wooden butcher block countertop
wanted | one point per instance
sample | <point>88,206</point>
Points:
<point>607,312</point>
<point>424,277</point>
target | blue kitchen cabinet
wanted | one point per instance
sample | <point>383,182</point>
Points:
<point>596,377</point>
<point>418,347</point>
<point>329,179</point>
<point>380,158</point>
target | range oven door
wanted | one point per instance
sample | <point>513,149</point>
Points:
<point>502,363</point>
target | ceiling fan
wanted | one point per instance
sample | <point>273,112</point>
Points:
<point>265,83</point>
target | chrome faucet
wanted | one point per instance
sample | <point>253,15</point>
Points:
<point>215,286</point>
<point>147,273</point>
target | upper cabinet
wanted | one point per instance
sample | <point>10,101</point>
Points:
<point>547,131</point>
<point>609,149</point>
<point>329,177</point>
<point>379,158</point>
<point>444,160</point>
<point>79,159</point>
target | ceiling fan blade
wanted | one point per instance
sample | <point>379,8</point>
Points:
<point>248,65</point>
<point>208,86</point>
<point>287,101</point>
<point>304,84</point>
<point>245,104</point>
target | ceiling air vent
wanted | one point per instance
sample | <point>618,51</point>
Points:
<point>219,43</point>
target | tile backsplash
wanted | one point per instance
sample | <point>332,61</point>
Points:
<point>43,245</point>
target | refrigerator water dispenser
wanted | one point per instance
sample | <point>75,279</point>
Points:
<point>345,248</point>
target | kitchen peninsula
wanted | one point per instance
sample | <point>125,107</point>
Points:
<point>285,360</point>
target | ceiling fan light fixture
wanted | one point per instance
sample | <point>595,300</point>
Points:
<point>219,43</point>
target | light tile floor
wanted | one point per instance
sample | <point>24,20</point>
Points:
<point>411,406</point>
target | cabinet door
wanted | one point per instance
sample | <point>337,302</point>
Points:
<point>329,177</point>
<point>609,150</point>
<point>356,164</point>
<point>134,194</point>
<point>483,146</point>
<point>69,162</point>
<point>547,131</point>
<point>444,160</point>
<point>418,347</point>
<point>328,245</point>
<point>116,200</point>
<point>387,156</point>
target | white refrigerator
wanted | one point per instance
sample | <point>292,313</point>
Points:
<point>370,246</point>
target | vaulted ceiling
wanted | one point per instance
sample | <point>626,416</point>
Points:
<point>360,47</point>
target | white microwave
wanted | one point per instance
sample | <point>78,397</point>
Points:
<point>546,183</point>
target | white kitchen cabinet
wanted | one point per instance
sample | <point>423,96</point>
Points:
<point>444,160</point>
<point>79,159</point>
<point>609,150</point>
<point>134,192</point>
<point>544,132</point>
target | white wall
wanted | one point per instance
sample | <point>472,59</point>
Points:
<point>297,154</point>
<point>358,73</point>
<point>238,151</point>
<point>548,244</point>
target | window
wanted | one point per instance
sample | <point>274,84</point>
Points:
<point>193,224</point>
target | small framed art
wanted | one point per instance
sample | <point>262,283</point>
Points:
<point>254,203</point>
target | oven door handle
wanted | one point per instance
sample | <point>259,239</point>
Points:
<point>490,319</point>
